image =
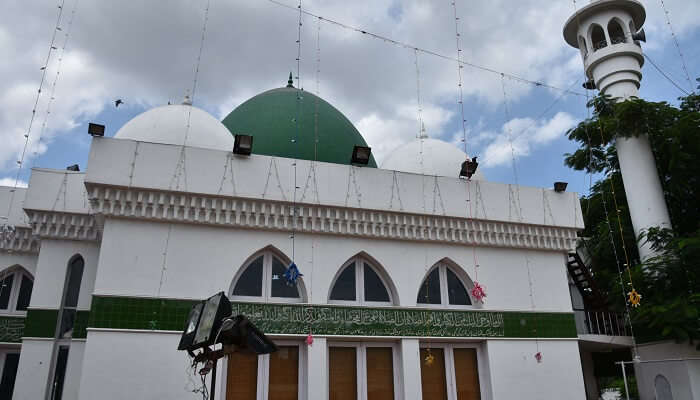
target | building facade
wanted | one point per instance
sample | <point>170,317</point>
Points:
<point>165,215</point>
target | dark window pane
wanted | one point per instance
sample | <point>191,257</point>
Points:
<point>60,373</point>
<point>344,288</point>
<point>5,290</point>
<point>67,322</point>
<point>374,288</point>
<point>430,289</point>
<point>250,281</point>
<point>9,372</point>
<point>25,293</point>
<point>279,285</point>
<point>75,275</point>
<point>456,291</point>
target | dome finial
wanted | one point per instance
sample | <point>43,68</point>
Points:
<point>290,82</point>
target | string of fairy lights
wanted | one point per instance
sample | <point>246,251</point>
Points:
<point>7,229</point>
<point>633,297</point>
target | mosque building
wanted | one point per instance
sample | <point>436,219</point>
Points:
<point>417,283</point>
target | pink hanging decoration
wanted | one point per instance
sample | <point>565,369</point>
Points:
<point>478,292</point>
<point>310,339</point>
<point>538,356</point>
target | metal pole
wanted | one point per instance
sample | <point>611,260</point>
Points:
<point>212,390</point>
<point>624,378</point>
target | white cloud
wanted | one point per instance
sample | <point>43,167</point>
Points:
<point>145,52</point>
<point>518,137</point>
<point>11,182</point>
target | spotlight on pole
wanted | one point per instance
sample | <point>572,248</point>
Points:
<point>468,168</point>
<point>560,186</point>
<point>361,155</point>
<point>243,145</point>
<point>96,129</point>
<point>74,168</point>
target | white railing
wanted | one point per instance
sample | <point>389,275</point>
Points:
<point>600,323</point>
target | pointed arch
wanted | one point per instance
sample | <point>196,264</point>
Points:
<point>260,278</point>
<point>597,37</point>
<point>616,31</point>
<point>362,280</point>
<point>445,284</point>
<point>16,285</point>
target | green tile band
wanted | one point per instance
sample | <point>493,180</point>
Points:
<point>42,323</point>
<point>11,329</point>
<point>161,314</point>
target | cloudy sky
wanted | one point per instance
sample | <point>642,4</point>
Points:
<point>145,53</point>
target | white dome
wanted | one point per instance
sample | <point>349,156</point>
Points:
<point>168,125</point>
<point>439,159</point>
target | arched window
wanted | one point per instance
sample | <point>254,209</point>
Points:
<point>582,46</point>
<point>616,32</point>
<point>598,37</point>
<point>262,278</point>
<point>662,388</point>
<point>16,286</point>
<point>443,286</point>
<point>71,293</point>
<point>361,282</point>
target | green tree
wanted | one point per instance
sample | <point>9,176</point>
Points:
<point>668,282</point>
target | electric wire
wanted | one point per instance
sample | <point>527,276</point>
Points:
<point>665,75</point>
<point>460,99</point>
<point>27,135</point>
<point>295,140</point>
<point>678,46</point>
<point>426,51</point>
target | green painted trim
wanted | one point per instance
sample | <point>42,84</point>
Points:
<point>165,314</point>
<point>11,329</point>
<point>41,323</point>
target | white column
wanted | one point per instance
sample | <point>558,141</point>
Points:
<point>645,197</point>
<point>410,366</point>
<point>317,369</point>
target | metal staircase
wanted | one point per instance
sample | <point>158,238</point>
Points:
<point>583,279</point>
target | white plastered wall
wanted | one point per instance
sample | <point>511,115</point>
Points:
<point>516,375</point>
<point>37,354</point>
<point>202,260</point>
<point>678,363</point>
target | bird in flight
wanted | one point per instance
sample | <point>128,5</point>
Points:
<point>118,102</point>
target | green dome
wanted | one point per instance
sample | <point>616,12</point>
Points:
<point>270,118</point>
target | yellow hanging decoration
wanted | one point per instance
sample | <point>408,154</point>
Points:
<point>429,359</point>
<point>634,298</point>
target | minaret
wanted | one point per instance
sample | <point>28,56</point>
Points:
<point>607,32</point>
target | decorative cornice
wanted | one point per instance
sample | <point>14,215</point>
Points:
<point>323,219</point>
<point>60,225</point>
<point>23,241</point>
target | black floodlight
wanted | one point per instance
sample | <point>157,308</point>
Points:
<point>241,332</point>
<point>361,155</point>
<point>560,186</point>
<point>468,168</point>
<point>215,309</point>
<point>191,326</point>
<point>74,168</point>
<point>589,84</point>
<point>243,145</point>
<point>96,129</point>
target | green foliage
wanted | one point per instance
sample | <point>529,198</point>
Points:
<point>668,282</point>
